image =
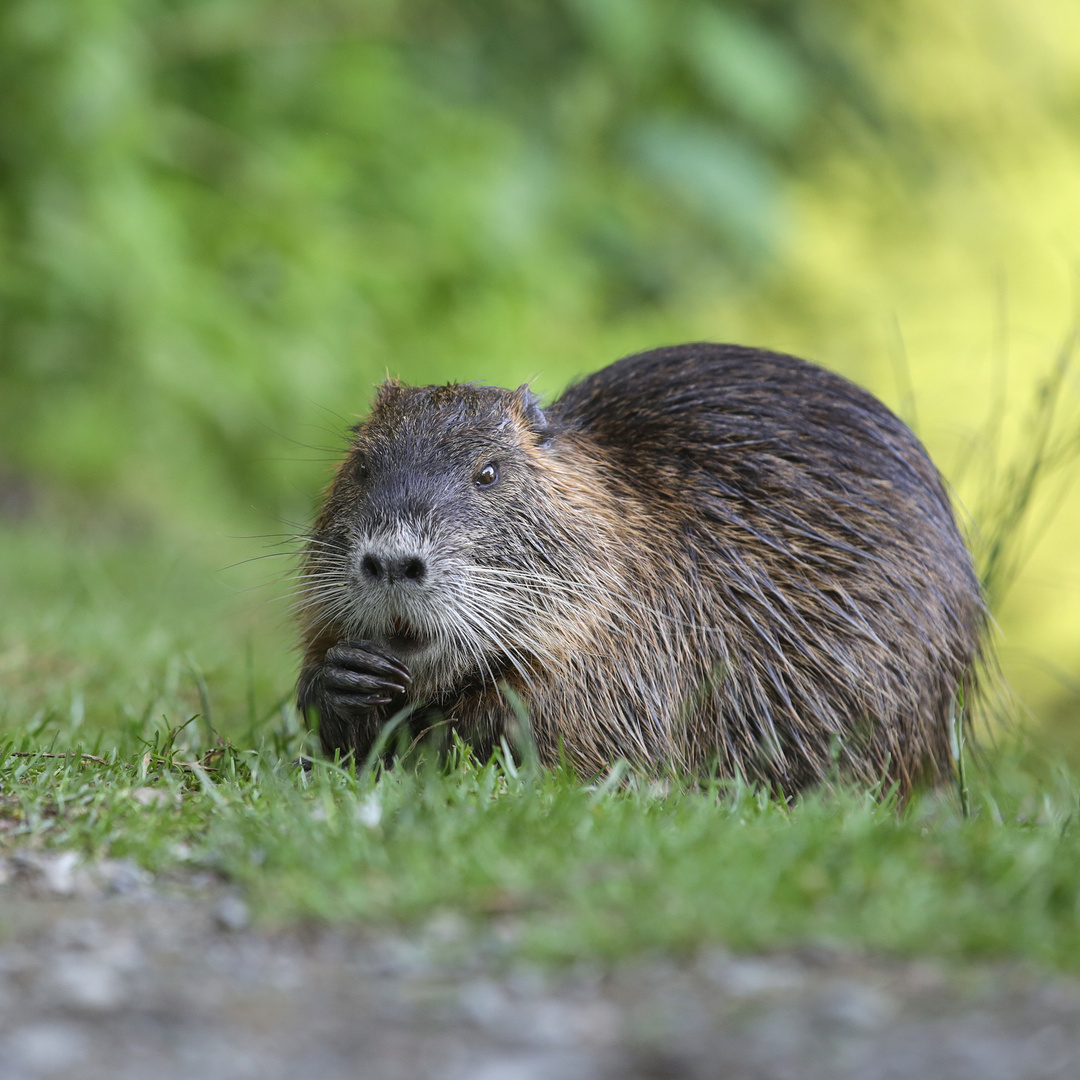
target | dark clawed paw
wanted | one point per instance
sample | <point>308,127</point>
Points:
<point>354,678</point>
<point>357,675</point>
<point>343,680</point>
<point>367,660</point>
<point>351,702</point>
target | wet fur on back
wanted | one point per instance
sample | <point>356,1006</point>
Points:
<point>698,554</point>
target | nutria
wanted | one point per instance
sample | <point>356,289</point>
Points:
<point>704,556</point>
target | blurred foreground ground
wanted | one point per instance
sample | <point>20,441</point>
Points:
<point>108,974</point>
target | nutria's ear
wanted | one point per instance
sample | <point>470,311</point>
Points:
<point>384,393</point>
<point>529,404</point>
<point>387,390</point>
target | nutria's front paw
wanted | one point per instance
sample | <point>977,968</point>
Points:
<point>348,691</point>
<point>354,678</point>
<point>358,674</point>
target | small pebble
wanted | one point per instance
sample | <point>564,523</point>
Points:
<point>152,796</point>
<point>44,1049</point>
<point>856,1005</point>
<point>538,1067</point>
<point>369,812</point>
<point>121,876</point>
<point>55,872</point>
<point>484,1002</point>
<point>231,913</point>
<point>760,978</point>
<point>83,984</point>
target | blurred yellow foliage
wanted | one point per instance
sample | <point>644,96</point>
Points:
<point>221,221</point>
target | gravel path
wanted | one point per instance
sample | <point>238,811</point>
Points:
<point>105,973</point>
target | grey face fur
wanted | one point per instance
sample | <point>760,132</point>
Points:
<point>415,532</point>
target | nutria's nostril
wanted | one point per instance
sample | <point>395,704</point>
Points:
<point>393,568</point>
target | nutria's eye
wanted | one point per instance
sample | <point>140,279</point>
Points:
<point>360,469</point>
<point>487,475</point>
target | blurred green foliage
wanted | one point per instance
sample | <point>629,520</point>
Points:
<point>221,221</point>
<point>216,212</point>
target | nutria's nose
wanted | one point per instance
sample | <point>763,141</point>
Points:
<point>393,568</point>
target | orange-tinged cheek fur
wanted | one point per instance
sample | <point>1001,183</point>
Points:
<point>588,515</point>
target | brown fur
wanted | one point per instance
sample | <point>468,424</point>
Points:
<point>703,554</point>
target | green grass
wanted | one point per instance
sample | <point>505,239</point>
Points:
<point>572,869</point>
<point>580,870</point>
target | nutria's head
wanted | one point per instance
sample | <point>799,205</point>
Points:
<point>432,529</point>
